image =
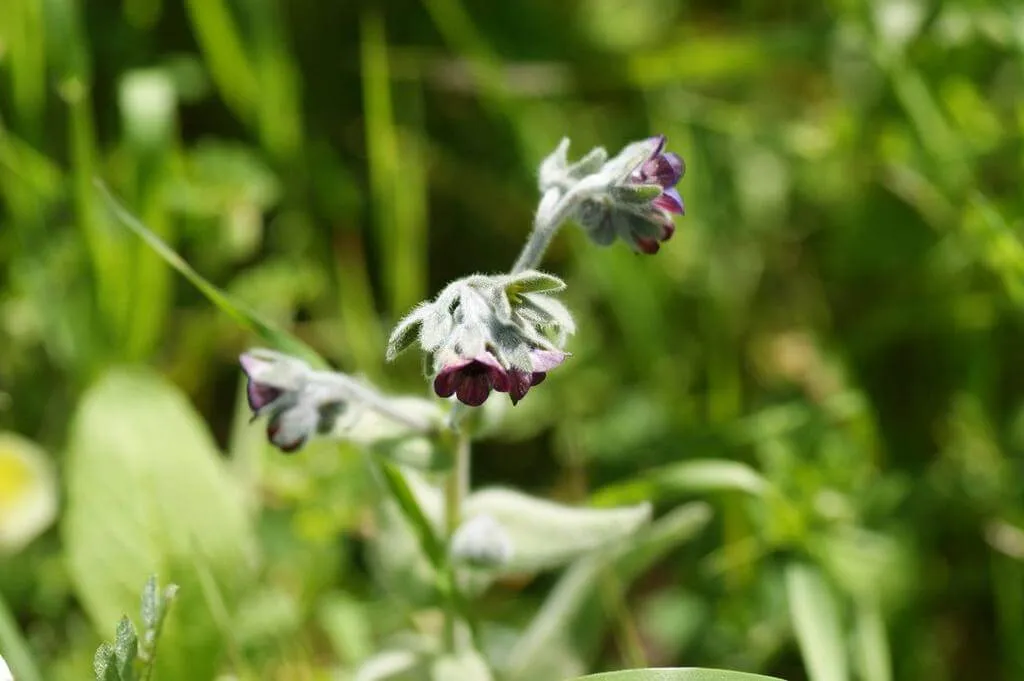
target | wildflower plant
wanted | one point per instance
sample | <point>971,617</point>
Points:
<point>482,337</point>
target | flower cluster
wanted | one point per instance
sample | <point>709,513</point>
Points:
<point>301,403</point>
<point>631,196</point>
<point>484,333</point>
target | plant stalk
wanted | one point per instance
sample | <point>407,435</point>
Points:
<point>456,489</point>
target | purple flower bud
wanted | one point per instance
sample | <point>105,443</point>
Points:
<point>641,199</point>
<point>283,387</point>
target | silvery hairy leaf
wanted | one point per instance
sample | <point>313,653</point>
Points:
<point>531,281</point>
<point>404,333</point>
<point>394,665</point>
<point>465,666</point>
<point>556,172</point>
<point>547,312</point>
<point>546,534</point>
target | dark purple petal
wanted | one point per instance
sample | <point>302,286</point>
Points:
<point>447,382</point>
<point>474,390</point>
<point>668,228</point>
<point>519,384</point>
<point>260,395</point>
<point>646,245</point>
<point>664,170</point>
<point>537,378</point>
<point>670,201</point>
<point>472,379</point>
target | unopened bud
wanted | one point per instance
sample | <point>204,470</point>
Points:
<point>482,542</point>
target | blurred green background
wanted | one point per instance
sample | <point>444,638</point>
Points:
<point>839,312</point>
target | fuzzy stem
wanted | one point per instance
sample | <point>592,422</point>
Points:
<point>456,489</point>
<point>351,388</point>
<point>553,211</point>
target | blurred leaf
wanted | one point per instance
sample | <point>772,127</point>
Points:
<point>695,476</point>
<point>392,440</point>
<point>572,614</point>
<point>683,674</point>
<point>275,337</point>
<point>225,55</point>
<point>871,644</point>
<point>148,494</point>
<point>393,665</point>
<point>545,534</point>
<point>814,611</point>
<point>465,666</point>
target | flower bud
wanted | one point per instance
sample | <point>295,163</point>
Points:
<point>482,542</point>
<point>638,198</point>
<point>299,405</point>
<point>484,333</point>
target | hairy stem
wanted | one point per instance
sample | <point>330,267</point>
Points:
<point>554,209</point>
<point>456,488</point>
<point>377,401</point>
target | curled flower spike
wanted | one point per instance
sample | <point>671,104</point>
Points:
<point>484,333</point>
<point>299,406</point>
<point>632,196</point>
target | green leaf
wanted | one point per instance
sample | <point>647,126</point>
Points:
<point>871,645</point>
<point>545,534</point>
<point>147,493</point>
<point>573,614</point>
<point>532,281</point>
<point>465,666</point>
<point>274,336</point>
<point>104,665</point>
<point>677,674</point>
<point>126,649</point>
<point>815,614</point>
<point>412,509</point>
<point>393,665</point>
<point>636,193</point>
<point>687,477</point>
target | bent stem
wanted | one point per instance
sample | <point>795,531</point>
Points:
<point>351,388</point>
<point>553,211</point>
<point>456,489</point>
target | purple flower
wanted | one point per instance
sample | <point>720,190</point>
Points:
<point>471,379</point>
<point>641,200</point>
<point>663,169</point>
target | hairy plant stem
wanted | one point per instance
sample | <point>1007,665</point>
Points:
<point>349,388</point>
<point>554,209</point>
<point>455,491</point>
